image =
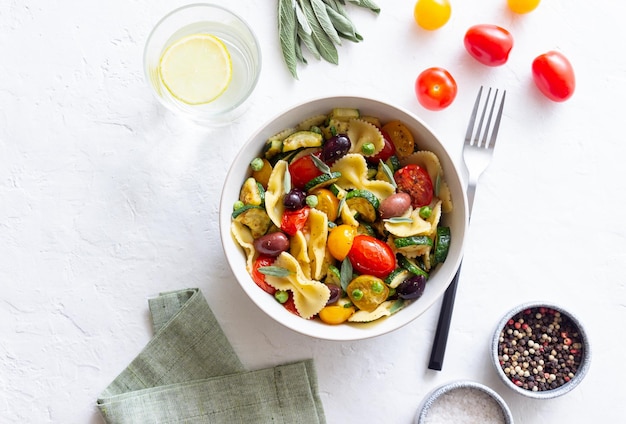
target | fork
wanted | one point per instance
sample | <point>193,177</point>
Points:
<point>477,154</point>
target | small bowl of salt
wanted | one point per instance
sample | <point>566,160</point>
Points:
<point>463,402</point>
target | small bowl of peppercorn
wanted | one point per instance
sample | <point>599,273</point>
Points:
<point>540,350</point>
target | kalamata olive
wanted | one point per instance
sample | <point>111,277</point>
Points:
<point>394,205</point>
<point>335,147</point>
<point>295,199</point>
<point>272,244</point>
<point>412,288</point>
<point>335,293</point>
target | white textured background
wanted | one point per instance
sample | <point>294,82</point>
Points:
<point>107,199</point>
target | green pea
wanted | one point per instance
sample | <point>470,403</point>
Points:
<point>357,294</point>
<point>368,148</point>
<point>311,200</point>
<point>256,164</point>
<point>377,287</point>
<point>238,205</point>
<point>281,296</point>
<point>425,212</point>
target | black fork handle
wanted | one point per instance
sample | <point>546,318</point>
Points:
<point>443,325</point>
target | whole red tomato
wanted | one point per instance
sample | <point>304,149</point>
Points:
<point>489,44</point>
<point>370,256</point>
<point>554,76</point>
<point>415,181</point>
<point>303,170</point>
<point>435,88</point>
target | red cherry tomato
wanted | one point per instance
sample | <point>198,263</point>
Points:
<point>414,180</point>
<point>290,305</point>
<point>435,88</point>
<point>258,277</point>
<point>554,76</point>
<point>303,170</point>
<point>294,220</point>
<point>488,44</point>
<point>388,150</point>
<point>370,256</point>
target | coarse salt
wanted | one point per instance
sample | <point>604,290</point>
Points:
<point>465,406</point>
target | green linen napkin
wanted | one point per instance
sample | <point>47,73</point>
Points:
<point>189,373</point>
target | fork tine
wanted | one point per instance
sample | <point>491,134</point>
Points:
<point>472,121</point>
<point>477,142</point>
<point>486,131</point>
<point>496,127</point>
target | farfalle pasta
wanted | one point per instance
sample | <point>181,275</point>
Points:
<point>313,230</point>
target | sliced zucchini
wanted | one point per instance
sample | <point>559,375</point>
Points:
<point>365,228</point>
<point>365,203</point>
<point>442,244</point>
<point>338,191</point>
<point>344,113</point>
<point>413,241</point>
<point>311,122</point>
<point>302,139</point>
<point>273,146</point>
<point>322,181</point>
<point>253,217</point>
<point>397,276</point>
<point>301,153</point>
<point>411,266</point>
<point>252,193</point>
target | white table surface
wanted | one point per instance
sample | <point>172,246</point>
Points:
<point>107,199</point>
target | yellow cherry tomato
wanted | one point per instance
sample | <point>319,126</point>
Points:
<point>367,292</point>
<point>335,314</point>
<point>432,14</point>
<point>340,241</point>
<point>523,6</point>
<point>327,202</point>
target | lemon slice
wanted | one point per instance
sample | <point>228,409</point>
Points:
<point>196,69</point>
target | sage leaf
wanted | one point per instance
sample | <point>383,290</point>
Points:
<point>388,173</point>
<point>340,22</point>
<point>345,273</point>
<point>274,271</point>
<point>319,164</point>
<point>369,4</point>
<point>324,20</point>
<point>287,33</point>
<point>308,42</point>
<point>287,181</point>
<point>304,24</point>
<point>327,49</point>
<point>396,306</point>
<point>398,219</point>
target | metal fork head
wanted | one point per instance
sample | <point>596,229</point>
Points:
<point>489,133</point>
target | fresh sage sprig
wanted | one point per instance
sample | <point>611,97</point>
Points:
<point>319,25</point>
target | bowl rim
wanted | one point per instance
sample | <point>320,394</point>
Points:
<point>345,332</point>
<point>439,391</point>
<point>585,362</point>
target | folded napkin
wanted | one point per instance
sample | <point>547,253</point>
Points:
<point>189,373</point>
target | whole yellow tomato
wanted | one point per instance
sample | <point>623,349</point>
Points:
<point>523,6</point>
<point>432,14</point>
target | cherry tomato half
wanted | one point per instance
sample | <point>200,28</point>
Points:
<point>432,14</point>
<point>389,149</point>
<point>258,277</point>
<point>370,256</point>
<point>367,292</point>
<point>435,88</point>
<point>554,76</point>
<point>523,6</point>
<point>327,202</point>
<point>488,44</point>
<point>294,220</point>
<point>414,180</point>
<point>303,170</point>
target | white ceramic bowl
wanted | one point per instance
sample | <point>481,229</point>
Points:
<point>439,278</point>
<point>584,350</point>
<point>463,400</point>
